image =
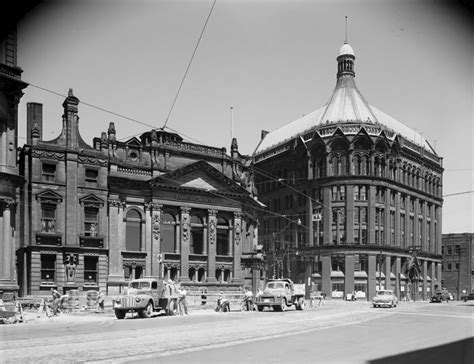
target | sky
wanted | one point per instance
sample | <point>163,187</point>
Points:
<point>272,61</point>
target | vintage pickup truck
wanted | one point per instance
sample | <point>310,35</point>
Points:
<point>145,296</point>
<point>280,294</point>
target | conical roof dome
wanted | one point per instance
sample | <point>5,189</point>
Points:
<point>346,105</point>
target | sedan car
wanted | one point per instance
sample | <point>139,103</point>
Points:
<point>385,297</point>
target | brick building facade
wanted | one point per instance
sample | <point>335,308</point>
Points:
<point>97,216</point>
<point>458,263</point>
<point>353,194</point>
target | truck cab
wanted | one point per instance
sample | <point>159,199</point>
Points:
<point>145,296</point>
<point>280,294</point>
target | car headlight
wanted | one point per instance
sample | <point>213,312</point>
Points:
<point>138,299</point>
<point>278,295</point>
<point>117,300</point>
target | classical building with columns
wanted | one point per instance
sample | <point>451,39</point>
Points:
<point>154,206</point>
<point>353,194</point>
<point>11,87</point>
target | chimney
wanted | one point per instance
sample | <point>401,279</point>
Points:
<point>34,120</point>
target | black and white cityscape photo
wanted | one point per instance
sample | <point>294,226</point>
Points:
<point>237,181</point>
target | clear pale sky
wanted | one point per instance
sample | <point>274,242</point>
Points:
<point>273,61</point>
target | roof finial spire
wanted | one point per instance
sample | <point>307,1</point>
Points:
<point>346,31</point>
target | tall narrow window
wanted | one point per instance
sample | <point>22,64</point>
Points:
<point>168,233</point>
<point>90,270</point>
<point>48,268</point>
<point>196,243</point>
<point>48,218</point>
<point>133,231</point>
<point>222,237</point>
<point>91,221</point>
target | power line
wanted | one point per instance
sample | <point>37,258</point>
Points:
<point>189,64</point>
<point>458,193</point>
<point>94,106</point>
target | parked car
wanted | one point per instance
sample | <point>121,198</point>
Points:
<point>385,297</point>
<point>441,295</point>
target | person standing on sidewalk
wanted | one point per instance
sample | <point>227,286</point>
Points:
<point>182,305</point>
<point>101,299</point>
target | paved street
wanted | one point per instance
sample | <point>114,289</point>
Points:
<point>340,332</point>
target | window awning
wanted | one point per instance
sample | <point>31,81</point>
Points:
<point>337,274</point>
<point>392,275</point>
<point>360,274</point>
<point>402,276</point>
<point>379,274</point>
<point>316,275</point>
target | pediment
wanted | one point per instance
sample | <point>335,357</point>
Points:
<point>91,200</point>
<point>199,176</point>
<point>49,196</point>
<point>134,142</point>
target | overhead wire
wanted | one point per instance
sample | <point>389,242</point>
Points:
<point>189,64</point>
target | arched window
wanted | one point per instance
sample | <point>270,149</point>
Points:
<point>133,231</point>
<point>222,245</point>
<point>168,233</point>
<point>201,276</point>
<point>192,274</point>
<point>196,243</point>
<point>376,166</point>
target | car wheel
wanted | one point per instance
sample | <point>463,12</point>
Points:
<point>120,314</point>
<point>146,313</point>
<point>283,305</point>
<point>260,308</point>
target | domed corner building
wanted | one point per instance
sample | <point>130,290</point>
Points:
<point>354,198</point>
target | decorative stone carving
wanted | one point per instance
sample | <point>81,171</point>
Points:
<point>71,261</point>
<point>116,203</point>
<point>238,228</point>
<point>156,225</point>
<point>185,223</point>
<point>133,264</point>
<point>212,226</point>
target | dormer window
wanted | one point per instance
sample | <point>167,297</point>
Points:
<point>49,171</point>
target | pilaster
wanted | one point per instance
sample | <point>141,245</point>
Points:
<point>326,275</point>
<point>237,245</point>
<point>211,242</point>
<point>185,236</point>
<point>349,274</point>
<point>371,280</point>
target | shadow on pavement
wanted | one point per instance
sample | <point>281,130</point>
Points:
<point>458,352</point>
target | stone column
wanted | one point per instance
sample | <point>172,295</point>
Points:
<point>185,237</point>
<point>424,228</point>
<point>348,274</point>
<point>237,271</point>
<point>309,222</point>
<point>388,270</point>
<point>387,226</point>
<point>438,231</point>
<point>424,269</point>
<point>156,240</point>
<point>431,271</point>
<point>327,217</point>
<point>115,274</point>
<point>326,275</point>
<point>8,245</point>
<point>371,280</point>
<point>350,214</point>
<point>432,231</point>
<point>397,220</point>
<point>211,241</point>
<point>371,213</point>
<point>416,214</point>
<point>398,268</point>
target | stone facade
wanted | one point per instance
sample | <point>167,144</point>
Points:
<point>96,216</point>
<point>11,182</point>
<point>458,263</point>
<point>352,197</point>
